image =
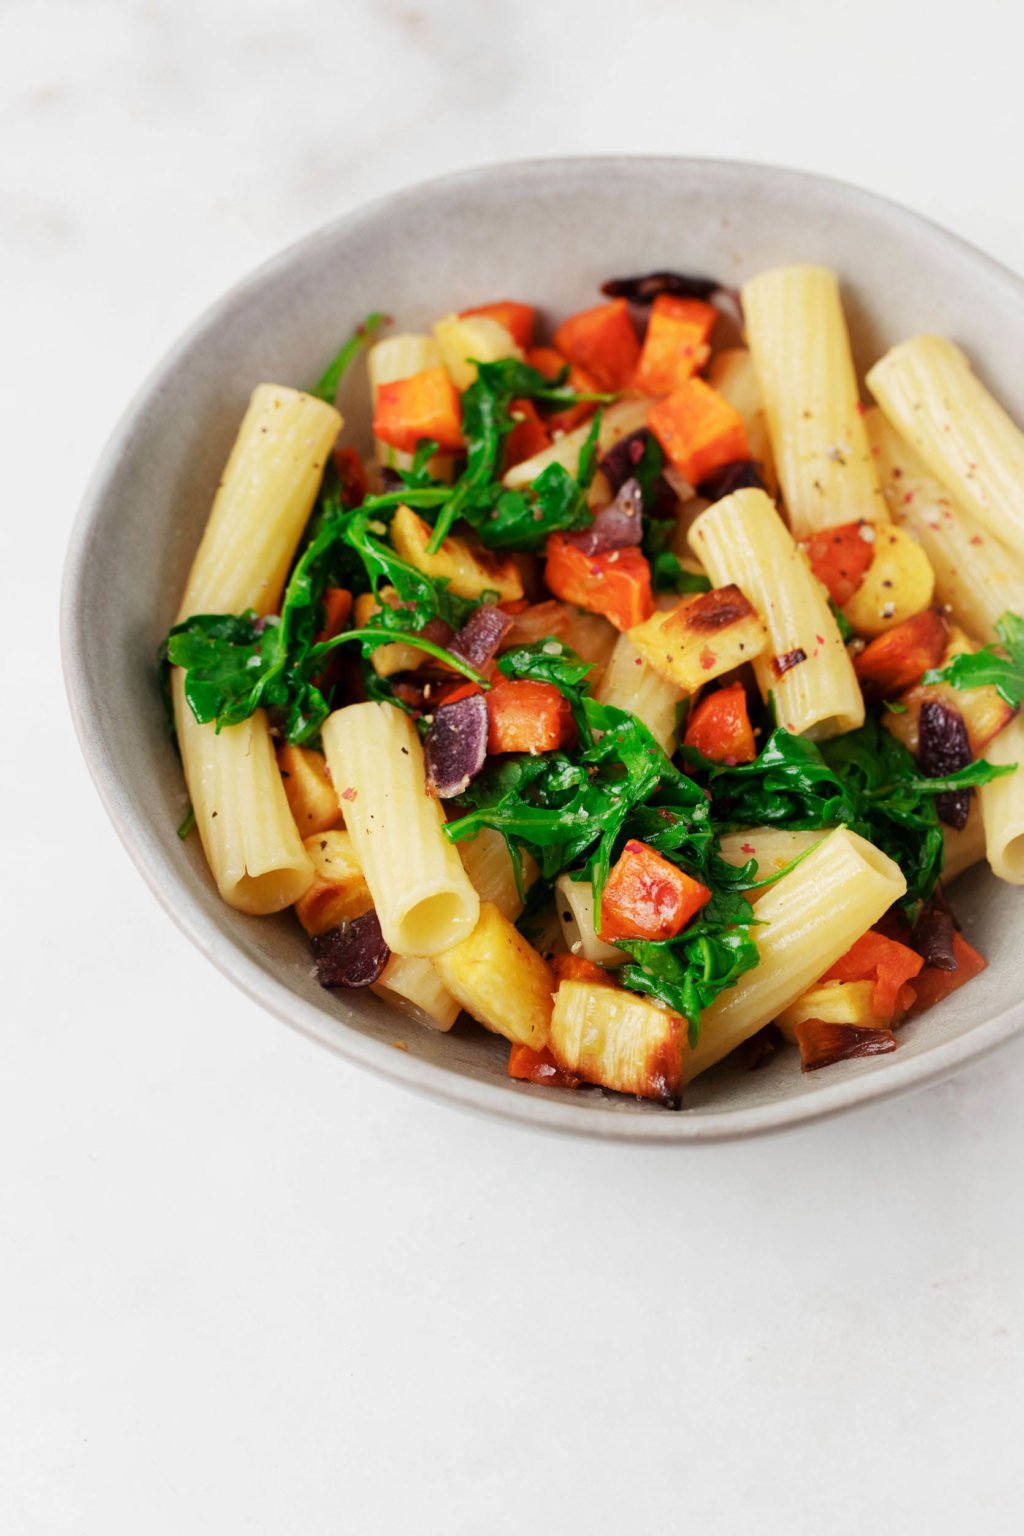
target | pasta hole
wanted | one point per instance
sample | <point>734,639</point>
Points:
<point>431,925</point>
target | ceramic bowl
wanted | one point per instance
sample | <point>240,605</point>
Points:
<point>548,231</point>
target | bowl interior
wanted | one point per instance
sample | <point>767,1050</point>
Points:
<point>548,232</point>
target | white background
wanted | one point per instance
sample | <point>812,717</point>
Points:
<point>243,1287</point>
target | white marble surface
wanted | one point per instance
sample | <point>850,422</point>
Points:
<point>243,1287</point>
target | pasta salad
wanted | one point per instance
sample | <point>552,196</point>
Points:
<point>638,695</point>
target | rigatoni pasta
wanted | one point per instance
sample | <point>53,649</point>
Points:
<point>421,892</point>
<point>807,920</point>
<point>977,577</point>
<point>805,668</point>
<point>797,335</point>
<point>927,389</point>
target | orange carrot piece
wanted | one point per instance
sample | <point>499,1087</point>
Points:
<point>647,897</point>
<point>603,341</point>
<point>531,1066</point>
<point>676,344</point>
<point>822,1044</point>
<point>616,583</point>
<point>840,557</point>
<point>698,429</point>
<point>337,610</point>
<point>885,962</point>
<point>516,318</point>
<point>550,363</point>
<point>568,967</point>
<point>720,727</point>
<point>529,436</point>
<point>527,716</point>
<point>931,985</point>
<point>351,475</point>
<point>425,405</point>
<point>899,658</point>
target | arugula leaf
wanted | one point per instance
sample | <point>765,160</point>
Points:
<point>689,972</point>
<point>327,385</point>
<point>865,780</point>
<point>668,574</point>
<point>421,597</point>
<point>236,664</point>
<point>501,517</point>
<point>989,668</point>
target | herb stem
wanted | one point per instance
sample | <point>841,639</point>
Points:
<point>401,637</point>
<point>327,385</point>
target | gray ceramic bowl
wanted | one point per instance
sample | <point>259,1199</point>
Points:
<point>547,231</point>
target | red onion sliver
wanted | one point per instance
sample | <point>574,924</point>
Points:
<point>616,526</point>
<point>480,637</point>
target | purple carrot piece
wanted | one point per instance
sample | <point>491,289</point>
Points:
<point>353,955</point>
<point>456,745</point>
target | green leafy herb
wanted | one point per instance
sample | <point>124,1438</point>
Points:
<point>549,661</point>
<point>1001,668</point>
<point>327,386</point>
<point>236,664</point>
<point>501,517</point>
<point>689,972</point>
<point>668,574</point>
<point>865,780</point>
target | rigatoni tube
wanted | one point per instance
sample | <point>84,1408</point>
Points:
<point>1002,805</point>
<point>423,896</point>
<point>266,494</point>
<point>248,832</point>
<point>927,390</point>
<point>742,539</point>
<point>806,921</point>
<point>977,576</point>
<point>797,334</point>
<point>262,504</point>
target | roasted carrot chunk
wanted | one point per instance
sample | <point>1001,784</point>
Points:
<point>516,318</point>
<point>840,556</point>
<point>616,583</point>
<point>351,476</point>
<point>527,716</point>
<point>888,964</point>
<point>568,967</point>
<point>425,405</point>
<point>898,659</point>
<point>676,344</point>
<point>551,363</point>
<point>603,341</point>
<point>337,610</point>
<point>932,984</point>
<point>698,429</point>
<point>529,436</point>
<point>539,1067</point>
<point>823,1044</point>
<point>647,897</point>
<point>720,727</point>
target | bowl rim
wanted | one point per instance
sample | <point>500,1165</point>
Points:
<point>511,1102</point>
